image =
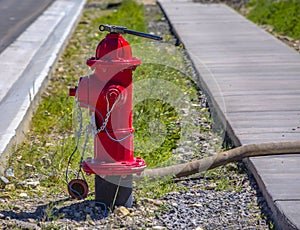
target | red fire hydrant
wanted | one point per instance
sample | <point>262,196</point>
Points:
<point>107,93</point>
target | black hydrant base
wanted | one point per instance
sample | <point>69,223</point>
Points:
<point>107,187</point>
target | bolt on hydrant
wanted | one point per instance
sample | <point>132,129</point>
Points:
<point>107,94</point>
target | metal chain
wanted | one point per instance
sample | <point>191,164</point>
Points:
<point>109,111</point>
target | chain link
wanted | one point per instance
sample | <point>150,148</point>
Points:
<point>109,111</point>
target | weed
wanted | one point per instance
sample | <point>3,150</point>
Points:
<point>51,214</point>
<point>226,177</point>
<point>157,188</point>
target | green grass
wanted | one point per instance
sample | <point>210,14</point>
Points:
<point>156,188</point>
<point>283,15</point>
<point>129,14</point>
<point>225,178</point>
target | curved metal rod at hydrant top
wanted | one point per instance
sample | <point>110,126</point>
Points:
<point>124,30</point>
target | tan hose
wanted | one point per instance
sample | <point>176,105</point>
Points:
<point>236,154</point>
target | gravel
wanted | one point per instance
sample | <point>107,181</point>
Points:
<point>203,204</point>
<point>204,207</point>
<point>200,206</point>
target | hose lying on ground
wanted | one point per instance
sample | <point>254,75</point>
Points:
<point>236,154</point>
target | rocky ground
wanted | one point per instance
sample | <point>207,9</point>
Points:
<point>203,202</point>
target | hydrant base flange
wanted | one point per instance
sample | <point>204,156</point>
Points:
<point>90,166</point>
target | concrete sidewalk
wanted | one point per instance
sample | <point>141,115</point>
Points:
<point>252,80</point>
<point>25,66</point>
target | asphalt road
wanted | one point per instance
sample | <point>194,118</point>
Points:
<point>16,16</point>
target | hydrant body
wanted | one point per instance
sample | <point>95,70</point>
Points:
<point>107,93</point>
